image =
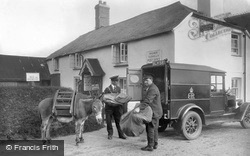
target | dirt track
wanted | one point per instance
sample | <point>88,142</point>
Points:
<point>220,139</point>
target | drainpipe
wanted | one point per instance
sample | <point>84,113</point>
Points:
<point>244,66</point>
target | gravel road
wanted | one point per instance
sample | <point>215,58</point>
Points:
<point>228,139</point>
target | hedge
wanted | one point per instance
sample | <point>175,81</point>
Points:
<point>19,117</point>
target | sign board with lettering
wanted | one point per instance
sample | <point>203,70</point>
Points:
<point>206,27</point>
<point>154,55</point>
<point>32,76</point>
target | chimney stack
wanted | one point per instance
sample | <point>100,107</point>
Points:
<point>210,8</point>
<point>101,15</point>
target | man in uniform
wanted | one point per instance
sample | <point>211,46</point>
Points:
<point>114,111</point>
<point>152,98</point>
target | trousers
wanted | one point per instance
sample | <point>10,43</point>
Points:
<point>152,131</point>
<point>115,112</point>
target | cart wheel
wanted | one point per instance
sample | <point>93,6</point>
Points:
<point>245,123</point>
<point>191,125</point>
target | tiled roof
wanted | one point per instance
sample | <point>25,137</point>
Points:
<point>145,25</point>
<point>94,67</point>
<point>141,26</point>
<point>14,68</point>
<point>242,20</point>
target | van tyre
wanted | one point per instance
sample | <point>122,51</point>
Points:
<point>191,125</point>
<point>245,123</point>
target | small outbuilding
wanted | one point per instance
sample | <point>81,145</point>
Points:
<point>23,71</point>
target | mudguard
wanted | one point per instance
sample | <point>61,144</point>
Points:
<point>183,111</point>
<point>241,111</point>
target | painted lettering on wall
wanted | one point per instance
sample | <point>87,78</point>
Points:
<point>205,29</point>
<point>154,55</point>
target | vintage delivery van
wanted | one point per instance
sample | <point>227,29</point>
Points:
<point>191,96</point>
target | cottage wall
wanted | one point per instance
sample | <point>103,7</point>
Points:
<point>247,69</point>
<point>194,47</point>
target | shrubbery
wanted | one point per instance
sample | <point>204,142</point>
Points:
<point>19,117</point>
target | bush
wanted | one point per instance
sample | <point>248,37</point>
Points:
<point>19,117</point>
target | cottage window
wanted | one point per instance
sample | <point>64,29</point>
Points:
<point>120,53</point>
<point>123,84</point>
<point>236,87</point>
<point>235,44</point>
<point>56,64</point>
<point>76,61</point>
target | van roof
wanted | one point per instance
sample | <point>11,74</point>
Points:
<point>183,66</point>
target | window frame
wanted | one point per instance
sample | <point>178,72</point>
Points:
<point>122,82</point>
<point>217,83</point>
<point>56,64</point>
<point>236,90</point>
<point>76,61</point>
<point>120,53</point>
<point>237,48</point>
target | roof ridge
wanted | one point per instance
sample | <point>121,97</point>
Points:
<point>22,56</point>
<point>143,25</point>
<point>115,24</point>
<point>238,14</point>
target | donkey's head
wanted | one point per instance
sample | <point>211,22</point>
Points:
<point>97,107</point>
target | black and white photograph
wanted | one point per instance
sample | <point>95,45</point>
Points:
<point>125,77</point>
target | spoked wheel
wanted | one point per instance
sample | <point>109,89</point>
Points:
<point>191,125</point>
<point>245,123</point>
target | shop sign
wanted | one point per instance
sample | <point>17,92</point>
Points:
<point>205,29</point>
<point>154,55</point>
<point>32,76</point>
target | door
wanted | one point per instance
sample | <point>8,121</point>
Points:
<point>217,99</point>
<point>134,84</point>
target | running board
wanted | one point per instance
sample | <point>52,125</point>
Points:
<point>212,119</point>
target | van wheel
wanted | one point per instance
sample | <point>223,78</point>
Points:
<point>191,125</point>
<point>245,123</point>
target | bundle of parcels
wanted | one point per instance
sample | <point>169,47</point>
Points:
<point>133,123</point>
<point>116,98</point>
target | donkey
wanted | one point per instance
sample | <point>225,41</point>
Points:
<point>85,107</point>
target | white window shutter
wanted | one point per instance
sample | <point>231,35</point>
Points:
<point>113,52</point>
<point>82,58</point>
<point>122,52</point>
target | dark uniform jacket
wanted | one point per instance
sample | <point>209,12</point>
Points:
<point>152,98</point>
<point>110,89</point>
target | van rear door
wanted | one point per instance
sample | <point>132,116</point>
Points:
<point>134,84</point>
